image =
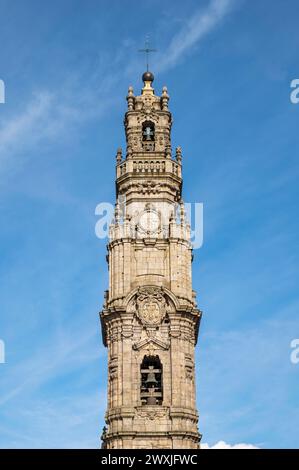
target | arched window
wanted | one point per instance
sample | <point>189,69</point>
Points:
<point>148,131</point>
<point>151,389</point>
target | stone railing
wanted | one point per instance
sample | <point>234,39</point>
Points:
<point>149,166</point>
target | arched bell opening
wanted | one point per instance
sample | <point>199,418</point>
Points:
<point>148,131</point>
<point>151,389</point>
<point>148,136</point>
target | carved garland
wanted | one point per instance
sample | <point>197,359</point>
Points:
<point>152,414</point>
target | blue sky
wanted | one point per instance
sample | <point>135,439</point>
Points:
<point>228,65</point>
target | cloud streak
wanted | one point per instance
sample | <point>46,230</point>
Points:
<point>20,126</point>
<point>45,117</point>
<point>196,28</point>
<point>50,114</point>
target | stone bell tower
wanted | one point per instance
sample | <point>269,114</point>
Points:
<point>150,321</point>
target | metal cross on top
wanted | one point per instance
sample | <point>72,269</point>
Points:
<point>147,50</point>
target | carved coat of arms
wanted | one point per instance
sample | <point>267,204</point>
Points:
<point>151,305</point>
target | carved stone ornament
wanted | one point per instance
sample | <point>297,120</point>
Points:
<point>189,367</point>
<point>152,413</point>
<point>113,367</point>
<point>151,305</point>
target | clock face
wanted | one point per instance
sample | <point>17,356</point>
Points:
<point>149,222</point>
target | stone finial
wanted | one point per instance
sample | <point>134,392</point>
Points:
<point>148,77</point>
<point>119,155</point>
<point>104,437</point>
<point>106,297</point>
<point>172,217</point>
<point>164,99</point>
<point>130,98</point>
<point>182,212</point>
<point>168,151</point>
<point>178,154</point>
<point>117,213</point>
<point>129,152</point>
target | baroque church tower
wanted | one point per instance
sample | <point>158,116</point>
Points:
<point>150,321</point>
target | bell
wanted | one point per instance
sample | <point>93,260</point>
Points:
<point>151,377</point>
<point>148,133</point>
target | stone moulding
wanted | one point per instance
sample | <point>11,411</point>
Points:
<point>150,342</point>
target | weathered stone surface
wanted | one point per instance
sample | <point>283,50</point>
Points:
<point>150,321</point>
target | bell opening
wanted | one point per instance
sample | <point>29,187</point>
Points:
<point>151,389</point>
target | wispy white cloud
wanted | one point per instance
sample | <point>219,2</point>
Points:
<point>66,353</point>
<point>194,30</point>
<point>43,118</point>
<point>224,445</point>
<point>18,129</point>
<point>50,114</point>
<point>241,405</point>
<point>75,414</point>
<point>76,411</point>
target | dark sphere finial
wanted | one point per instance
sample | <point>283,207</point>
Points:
<point>148,77</point>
